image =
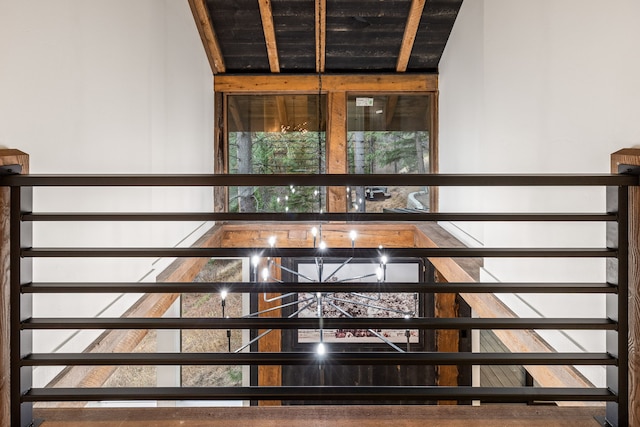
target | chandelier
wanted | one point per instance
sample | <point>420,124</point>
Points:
<point>333,304</point>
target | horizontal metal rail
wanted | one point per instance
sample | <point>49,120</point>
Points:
<point>311,252</point>
<point>505,180</point>
<point>314,323</point>
<point>22,360</point>
<point>320,217</point>
<point>273,287</point>
<point>485,394</point>
<point>302,358</point>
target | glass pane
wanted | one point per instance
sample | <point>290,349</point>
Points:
<point>205,305</point>
<point>276,134</point>
<point>388,134</point>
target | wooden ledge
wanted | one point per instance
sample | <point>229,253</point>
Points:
<point>326,416</point>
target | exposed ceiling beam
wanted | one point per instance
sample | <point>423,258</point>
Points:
<point>410,31</point>
<point>321,34</point>
<point>269,35</point>
<point>208,35</point>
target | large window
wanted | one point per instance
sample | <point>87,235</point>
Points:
<point>388,134</point>
<point>335,124</point>
<point>276,134</point>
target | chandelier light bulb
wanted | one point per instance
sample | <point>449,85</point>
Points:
<point>321,350</point>
<point>255,260</point>
<point>379,274</point>
<point>272,241</point>
<point>223,294</point>
<point>323,246</point>
<point>383,259</point>
<point>314,231</point>
<point>353,234</point>
<point>265,274</point>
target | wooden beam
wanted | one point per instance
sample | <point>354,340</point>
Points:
<point>299,235</point>
<point>631,156</point>
<point>321,35</point>
<point>326,416</point>
<point>149,305</point>
<point>220,151</point>
<point>7,157</point>
<point>269,35</point>
<point>279,83</point>
<point>111,341</point>
<point>489,306</point>
<point>337,149</point>
<point>208,35</point>
<point>271,375</point>
<point>446,304</point>
<point>186,269</point>
<point>410,31</point>
<point>447,340</point>
<point>434,161</point>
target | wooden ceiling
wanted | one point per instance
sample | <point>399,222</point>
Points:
<point>311,36</point>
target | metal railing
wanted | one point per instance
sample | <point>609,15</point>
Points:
<point>23,360</point>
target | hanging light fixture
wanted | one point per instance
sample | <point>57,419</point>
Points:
<point>330,304</point>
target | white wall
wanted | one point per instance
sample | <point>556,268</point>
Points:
<point>535,87</point>
<point>117,86</point>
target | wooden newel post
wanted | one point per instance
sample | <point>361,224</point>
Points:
<point>7,157</point>
<point>631,157</point>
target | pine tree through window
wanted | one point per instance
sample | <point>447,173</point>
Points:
<point>281,134</point>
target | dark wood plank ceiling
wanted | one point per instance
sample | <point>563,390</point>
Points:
<point>308,36</point>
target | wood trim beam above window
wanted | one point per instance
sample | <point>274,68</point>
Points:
<point>268,83</point>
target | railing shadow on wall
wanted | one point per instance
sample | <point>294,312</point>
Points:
<point>615,324</point>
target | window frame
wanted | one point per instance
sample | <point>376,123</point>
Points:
<point>337,89</point>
